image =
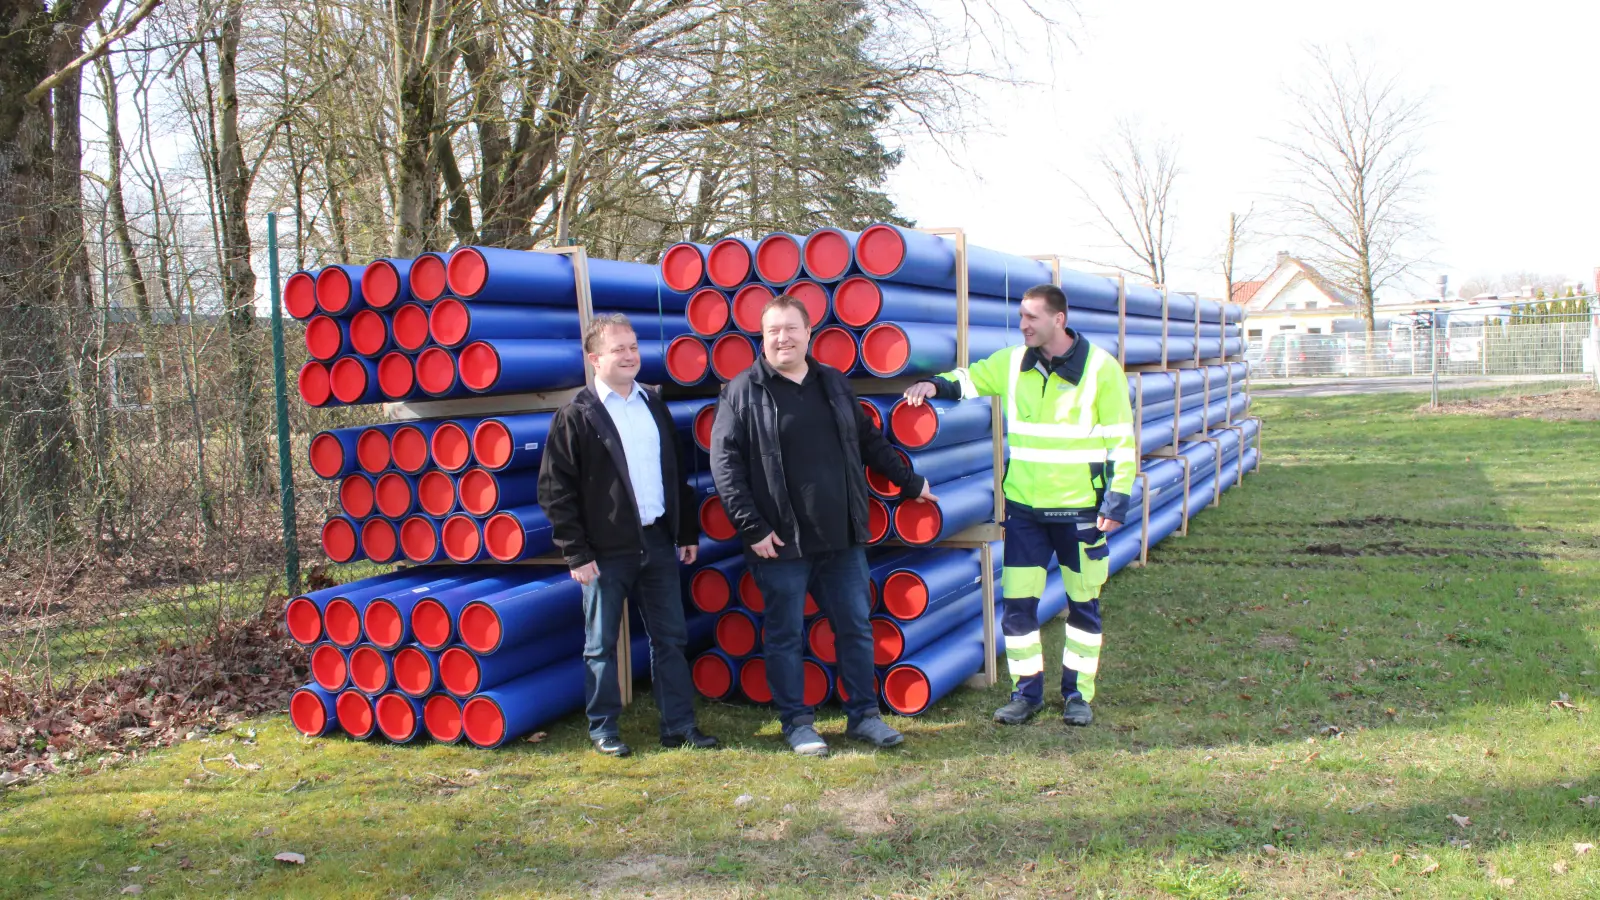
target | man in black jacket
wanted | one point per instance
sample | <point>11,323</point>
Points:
<point>786,451</point>
<point>613,485</point>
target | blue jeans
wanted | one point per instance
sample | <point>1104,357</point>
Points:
<point>838,581</point>
<point>651,581</point>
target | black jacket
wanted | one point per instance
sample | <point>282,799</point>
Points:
<point>584,485</point>
<point>748,466</point>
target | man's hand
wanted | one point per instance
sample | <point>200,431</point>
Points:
<point>927,495</point>
<point>586,574</point>
<point>919,392</point>
<point>686,555</point>
<point>1107,525</point>
<point>766,548</point>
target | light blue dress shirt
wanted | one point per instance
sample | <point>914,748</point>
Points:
<point>641,445</point>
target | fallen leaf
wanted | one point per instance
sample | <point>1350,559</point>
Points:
<point>472,773</point>
<point>743,800</point>
<point>536,737</point>
<point>185,863</point>
<point>1589,801</point>
<point>1504,882</point>
<point>1559,867</point>
<point>1430,868</point>
<point>1581,849</point>
<point>133,889</point>
<point>1489,752</point>
<point>298,859</point>
<point>1269,850</point>
<point>1461,821</point>
<point>134,868</point>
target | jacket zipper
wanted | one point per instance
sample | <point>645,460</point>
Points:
<point>778,450</point>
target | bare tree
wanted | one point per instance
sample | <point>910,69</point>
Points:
<point>1133,202</point>
<point>1238,231</point>
<point>1354,183</point>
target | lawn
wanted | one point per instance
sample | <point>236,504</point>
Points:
<point>1339,684</point>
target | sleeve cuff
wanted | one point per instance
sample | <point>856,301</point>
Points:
<point>944,388</point>
<point>1115,506</point>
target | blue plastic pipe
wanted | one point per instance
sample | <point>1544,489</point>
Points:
<point>354,380</point>
<point>892,253</point>
<point>731,262</point>
<point>738,633</point>
<point>327,338</point>
<point>940,423</point>
<point>484,493</point>
<point>464,673</point>
<point>454,322</point>
<point>890,349</point>
<point>304,613</point>
<point>333,452</point>
<point>688,360</point>
<point>499,366</point>
<point>511,443</point>
<point>386,283</point>
<point>712,588</point>
<point>416,670</point>
<point>548,601</point>
<point>828,254</point>
<point>715,675</point>
<point>927,580</point>
<point>962,503</point>
<point>954,461</point>
<point>881,407</point>
<point>313,710</point>
<point>330,667</point>
<point>370,670</point>
<point>339,289</point>
<point>496,275</point>
<point>518,533</point>
<point>683,266</point>
<point>399,717</point>
<point>893,639</point>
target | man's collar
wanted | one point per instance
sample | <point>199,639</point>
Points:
<point>1069,366</point>
<point>603,390</point>
<point>765,371</point>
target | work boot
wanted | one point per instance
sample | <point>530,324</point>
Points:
<point>804,740</point>
<point>874,731</point>
<point>1017,712</point>
<point>1077,712</point>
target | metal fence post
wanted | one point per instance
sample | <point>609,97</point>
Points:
<point>280,390</point>
<point>1433,356</point>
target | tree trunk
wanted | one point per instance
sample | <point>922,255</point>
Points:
<point>416,176</point>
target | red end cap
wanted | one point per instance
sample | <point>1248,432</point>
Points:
<point>748,304</point>
<point>906,690</point>
<point>887,642</point>
<point>703,421</point>
<point>877,519</point>
<point>815,298</point>
<point>461,538</point>
<point>327,456</point>
<point>436,370</point>
<point>355,496</point>
<point>307,713</point>
<point>914,426</point>
<point>380,283</point>
<point>712,675</point>
<point>885,349</point>
<point>905,595</point>
<point>452,449</point>
<point>408,447</point>
<point>827,254</point>
<point>342,622</point>
<point>491,444</point>
<point>821,640</point>
<point>856,301</point>
<point>379,540</point>
<point>918,523</point>
<point>753,681</point>
<point>479,492</point>
<point>714,520</point>
<point>728,263</point>
<point>736,634</point>
<point>778,258</point>
<point>436,493</point>
<point>449,322</point>
<point>442,716</point>
<point>816,684</point>
<point>300,295</point>
<point>732,354</point>
<point>881,483</point>
<point>324,339</point>
<point>396,376</point>
<point>314,385</point>
<point>835,346</point>
<point>303,620</point>
<point>687,358</point>
<point>394,495</point>
<point>872,413</point>
<point>412,672</point>
<point>369,671</point>
<point>880,250</point>
<point>418,539</point>
<point>383,624</point>
<point>708,589</point>
<point>329,669</point>
<point>468,272</point>
<point>682,268</point>
<point>333,290</point>
<point>410,325</point>
<point>483,722</point>
<point>339,540</point>
<point>355,714</point>
<point>750,595</point>
<point>427,278</point>
<point>480,366</point>
<point>458,670</point>
<point>369,332</point>
<point>811,608</point>
<point>504,536</point>
<point>396,719</point>
<point>372,450</point>
<point>430,624</point>
<point>707,311</point>
<point>480,627</point>
<point>349,379</point>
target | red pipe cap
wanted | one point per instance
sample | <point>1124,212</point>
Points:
<point>380,284</point>
<point>467,271</point>
<point>427,278</point>
<point>480,366</point>
<point>880,250</point>
<point>396,376</point>
<point>480,627</point>
<point>369,331</point>
<point>712,675</point>
<point>383,624</point>
<point>436,371</point>
<point>307,713</point>
<point>504,537</point>
<point>703,422</point>
<point>906,690</point>
<point>834,346</point>
<point>300,295</point>
<point>914,426</point>
<point>458,670</point>
<point>349,379</point>
<point>714,520</point>
<point>327,456</point>
<point>339,540</point>
<point>461,538</point>
<point>877,520</point>
<point>872,414</point>
<point>314,385</point>
<point>379,540</point>
<point>369,671</point>
<point>778,258</point>
<point>748,304</point>
<point>707,312</point>
<point>355,496</point>
<point>905,595</point>
<point>708,589</point>
<point>436,493</point>
<point>918,522</point>
<point>449,322</point>
<point>811,608</point>
<point>687,358</point>
<point>452,449</point>
<point>814,296</point>
<point>333,290</point>
<point>412,672</point>
<point>410,325</point>
<point>753,681</point>
<point>396,719</point>
<point>887,642</point>
<point>736,634</point>
<point>816,684</point>
<point>827,254</point>
<point>393,495</point>
<point>881,483</point>
<point>442,716</point>
<point>430,624</point>
<point>342,622</point>
<point>483,722</point>
<point>355,714</point>
<point>732,354</point>
<point>885,348</point>
<point>682,268</point>
<point>479,492</point>
<point>728,263</point>
<point>303,620</point>
<point>324,340</point>
<point>372,450</point>
<point>418,539</point>
<point>491,444</point>
<point>750,594</point>
<point>408,447</point>
<point>329,669</point>
<point>821,640</point>
<point>856,301</point>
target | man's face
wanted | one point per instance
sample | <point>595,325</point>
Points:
<point>618,357</point>
<point>784,338</point>
<point>1039,325</point>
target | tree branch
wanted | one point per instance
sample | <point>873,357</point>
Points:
<point>60,76</point>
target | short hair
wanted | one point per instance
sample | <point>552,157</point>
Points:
<point>597,329</point>
<point>1055,298</point>
<point>787,301</point>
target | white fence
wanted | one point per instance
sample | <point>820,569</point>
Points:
<point>1558,349</point>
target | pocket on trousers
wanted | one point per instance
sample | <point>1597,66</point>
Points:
<point>1094,542</point>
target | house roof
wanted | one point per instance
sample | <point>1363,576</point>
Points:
<point>1244,290</point>
<point>1289,272</point>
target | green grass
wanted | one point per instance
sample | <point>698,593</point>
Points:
<point>1356,645</point>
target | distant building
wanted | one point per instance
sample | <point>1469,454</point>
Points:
<point>1294,297</point>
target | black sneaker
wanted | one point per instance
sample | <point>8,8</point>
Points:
<point>694,737</point>
<point>1077,713</point>
<point>1017,712</point>
<point>612,746</point>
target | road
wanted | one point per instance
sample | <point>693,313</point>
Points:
<point>1399,384</point>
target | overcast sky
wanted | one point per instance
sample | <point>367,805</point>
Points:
<point>1513,153</point>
